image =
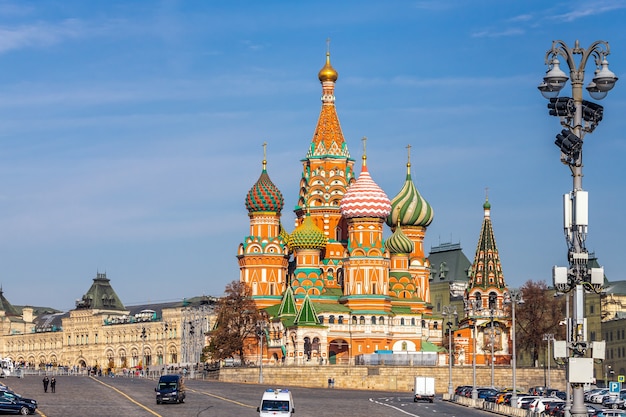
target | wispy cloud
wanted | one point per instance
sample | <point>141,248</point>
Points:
<point>499,33</point>
<point>39,34</point>
<point>587,9</point>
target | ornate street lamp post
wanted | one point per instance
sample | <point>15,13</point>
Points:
<point>514,298</point>
<point>260,331</point>
<point>548,337</point>
<point>143,336</point>
<point>447,313</point>
<point>492,341</point>
<point>578,117</point>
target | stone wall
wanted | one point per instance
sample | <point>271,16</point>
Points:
<point>390,378</point>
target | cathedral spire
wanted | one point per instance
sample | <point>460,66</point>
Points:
<point>486,271</point>
<point>328,138</point>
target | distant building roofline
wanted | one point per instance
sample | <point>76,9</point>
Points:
<point>444,247</point>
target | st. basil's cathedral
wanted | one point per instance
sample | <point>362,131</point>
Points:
<point>335,288</point>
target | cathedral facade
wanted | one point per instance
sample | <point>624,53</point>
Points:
<point>335,287</point>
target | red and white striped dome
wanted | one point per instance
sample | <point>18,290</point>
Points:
<point>364,198</point>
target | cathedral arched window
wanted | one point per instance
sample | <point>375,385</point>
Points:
<point>362,320</point>
<point>373,319</point>
<point>493,301</point>
<point>331,320</point>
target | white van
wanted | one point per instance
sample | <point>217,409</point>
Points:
<point>276,402</point>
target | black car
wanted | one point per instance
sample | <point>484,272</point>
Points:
<point>10,395</point>
<point>16,406</point>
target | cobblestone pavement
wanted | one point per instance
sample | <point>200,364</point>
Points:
<point>82,396</point>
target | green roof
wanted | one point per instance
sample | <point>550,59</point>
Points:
<point>307,314</point>
<point>431,347</point>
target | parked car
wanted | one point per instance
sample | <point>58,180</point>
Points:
<point>614,400</point>
<point>485,393</point>
<point>539,405</point>
<point>16,406</point>
<point>10,395</point>
<point>559,410</point>
<point>591,392</point>
<point>524,399</point>
<point>598,397</point>
<point>609,413</point>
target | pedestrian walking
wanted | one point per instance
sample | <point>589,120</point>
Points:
<point>46,381</point>
<point>53,384</point>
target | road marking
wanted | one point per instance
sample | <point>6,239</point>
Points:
<point>394,407</point>
<point>208,394</point>
<point>129,398</point>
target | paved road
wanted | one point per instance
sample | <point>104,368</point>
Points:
<point>79,396</point>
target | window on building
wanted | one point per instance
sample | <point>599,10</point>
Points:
<point>362,320</point>
<point>381,320</point>
<point>331,319</point>
<point>354,320</point>
<point>373,319</point>
<point>340,320</point>
<point>321,319</point>
<point>435,325</point>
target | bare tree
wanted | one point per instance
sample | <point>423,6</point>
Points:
<point>237,318</point>
<point>541,313</point>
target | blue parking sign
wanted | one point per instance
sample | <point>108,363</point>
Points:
<point>615,386</point>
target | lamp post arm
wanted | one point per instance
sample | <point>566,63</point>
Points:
<point>598,49</point>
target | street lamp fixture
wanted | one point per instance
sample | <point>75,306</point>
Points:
<point>448,312</point>
<point>578,276</point>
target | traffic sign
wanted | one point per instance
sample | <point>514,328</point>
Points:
<point>621,378</point>
<point>615,386</point>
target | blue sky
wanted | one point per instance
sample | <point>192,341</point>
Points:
<point>130,132</point>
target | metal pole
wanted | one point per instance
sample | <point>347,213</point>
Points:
<point>548,337</point>
<point>514,395</point>
<point>493,340</point>
<point>447,312</point>
<point>576,226</point>
<point>474,390</point>
<point>450,387</point>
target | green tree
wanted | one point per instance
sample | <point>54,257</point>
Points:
<point>236,320</point>
<point>541,313</point>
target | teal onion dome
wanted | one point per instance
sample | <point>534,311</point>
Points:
<point>264,195</point>
<point>307,236</point>
<point>487,205</point>
<point>399,243</point>
<point>409,208</point>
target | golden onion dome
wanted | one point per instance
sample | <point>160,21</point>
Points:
<point>328,73</point>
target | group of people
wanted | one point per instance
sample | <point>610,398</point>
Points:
<point>53,384</point>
